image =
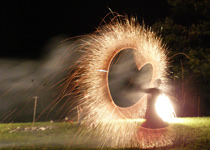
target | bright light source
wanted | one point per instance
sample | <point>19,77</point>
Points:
<point>164,108</point>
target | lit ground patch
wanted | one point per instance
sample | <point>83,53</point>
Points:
<point>188,133</point>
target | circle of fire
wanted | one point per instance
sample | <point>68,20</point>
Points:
<point>91,80</point>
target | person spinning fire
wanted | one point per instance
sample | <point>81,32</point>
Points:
<point>153,120</point>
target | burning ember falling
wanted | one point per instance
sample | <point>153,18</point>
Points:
<point>89,81</point>
<point>164,108</point>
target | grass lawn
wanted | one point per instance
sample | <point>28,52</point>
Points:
<point>189,133</point>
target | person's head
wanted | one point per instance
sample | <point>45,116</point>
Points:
<point>157,83</point>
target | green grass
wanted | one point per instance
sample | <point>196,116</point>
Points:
<point>191,133</point>
<point>188,133</point>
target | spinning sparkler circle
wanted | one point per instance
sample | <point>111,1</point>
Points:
<point>99,49</point>
<point>92,82</point>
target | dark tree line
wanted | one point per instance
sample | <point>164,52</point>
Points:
<point>187,30</point>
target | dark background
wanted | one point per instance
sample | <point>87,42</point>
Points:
<point>28,30</point>
<point>26,26</point>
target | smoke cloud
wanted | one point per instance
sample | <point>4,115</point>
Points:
<point>126,81</point>
<point>21,80</point>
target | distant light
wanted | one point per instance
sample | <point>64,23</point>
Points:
<point>164,108</point>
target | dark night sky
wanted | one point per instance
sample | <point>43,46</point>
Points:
<point>26,26</point>
<point>31,30</point>
<point>30,34</point>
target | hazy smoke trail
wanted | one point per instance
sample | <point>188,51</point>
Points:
<point>17,89</point>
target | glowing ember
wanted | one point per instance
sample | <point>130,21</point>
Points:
<point>164,108</point>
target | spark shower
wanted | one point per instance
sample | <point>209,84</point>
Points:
<point>89,82</point>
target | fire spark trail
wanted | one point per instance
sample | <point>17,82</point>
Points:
<point>89,82</point>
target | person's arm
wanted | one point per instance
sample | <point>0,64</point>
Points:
<point>147,90</point>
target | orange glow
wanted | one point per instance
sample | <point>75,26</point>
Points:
<point>164,108</point>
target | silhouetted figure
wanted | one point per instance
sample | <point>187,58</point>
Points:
<point>152,118</point>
